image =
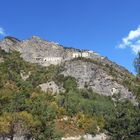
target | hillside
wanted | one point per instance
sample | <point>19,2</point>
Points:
<point>48,91</point>
<point>91,70</point>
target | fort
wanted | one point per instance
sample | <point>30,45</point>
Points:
<point>57,60</point>
<point>52,59</point>
<point>86,54</point>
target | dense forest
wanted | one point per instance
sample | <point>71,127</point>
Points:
<point>25,109</point>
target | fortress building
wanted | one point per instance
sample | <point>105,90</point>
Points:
<point>45,61</point>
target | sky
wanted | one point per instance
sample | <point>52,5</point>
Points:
<point>109,27</point>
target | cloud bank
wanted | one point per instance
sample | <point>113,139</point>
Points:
<point>2,32</point>
<point>132,41</point>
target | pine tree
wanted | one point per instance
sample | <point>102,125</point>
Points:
<point>137,64</point>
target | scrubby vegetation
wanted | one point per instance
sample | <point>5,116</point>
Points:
<point>26,110</point>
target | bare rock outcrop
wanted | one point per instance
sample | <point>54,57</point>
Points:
<point>51,87</point>
<point>91,75</point>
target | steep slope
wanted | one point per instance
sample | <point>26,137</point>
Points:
<point>91,75</point>
<point>26,112</point>
<point>90,69</point>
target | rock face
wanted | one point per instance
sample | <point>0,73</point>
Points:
<point>10,43</point>
<point>51,87</point>
<point>97,72</point>
<point>25,75</point>
<point>91,75</point>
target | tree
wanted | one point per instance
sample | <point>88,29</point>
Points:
<point>16,123</point>
<point>124,123</point>
<point>87,123</point>
<point>137,64</point>
<point>70,85</point>
<point>42,107</point>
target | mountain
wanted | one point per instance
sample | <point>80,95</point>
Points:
<point>48,91</point>
<point>89,68</point>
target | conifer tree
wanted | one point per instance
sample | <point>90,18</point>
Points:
<point>137,64</point>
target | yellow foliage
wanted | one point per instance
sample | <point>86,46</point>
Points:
<point>34,95</point>
<point>61,111</point>
<point>54,106</point>
<point>5,123</point>
<point>89,124</point>
<point>100,122</point>
<point>25,119</point>
<point>28,121</point>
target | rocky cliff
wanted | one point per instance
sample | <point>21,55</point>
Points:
<point>90,69</point>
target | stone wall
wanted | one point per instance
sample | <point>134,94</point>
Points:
<point>101,136</point>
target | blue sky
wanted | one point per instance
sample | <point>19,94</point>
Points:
<point>109,27</point>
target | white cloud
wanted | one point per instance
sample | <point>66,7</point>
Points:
<point>132,41</point>
<point>2,31</point>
